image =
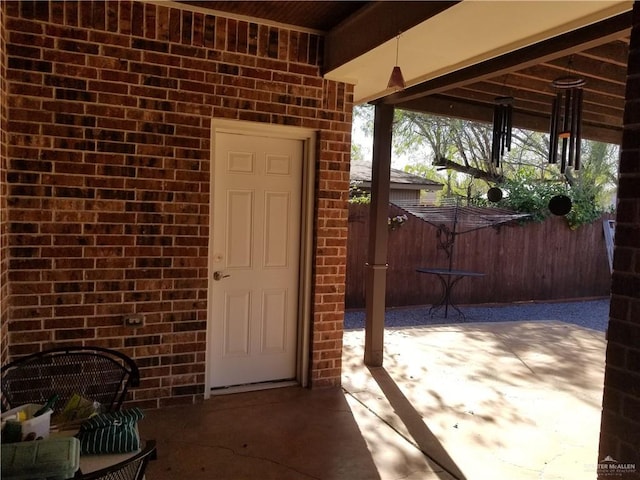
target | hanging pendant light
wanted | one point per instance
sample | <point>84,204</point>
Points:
<point>566,120</point>
<point>502,125</point>
<point>396,80</point>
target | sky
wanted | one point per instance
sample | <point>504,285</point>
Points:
<point>365,141</point>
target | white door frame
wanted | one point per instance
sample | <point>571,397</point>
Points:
<point>308,138</point>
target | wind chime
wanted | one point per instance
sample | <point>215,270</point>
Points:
<point>502,124</point>
<point>566,119</point>
<point>501,138</point>
<point>566,126</point>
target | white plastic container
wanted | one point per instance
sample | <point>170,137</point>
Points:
<point>39,425</point>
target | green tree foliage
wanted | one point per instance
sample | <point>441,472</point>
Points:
<point>357,195</point>
<point>357,152</point>
<point>525,193</point>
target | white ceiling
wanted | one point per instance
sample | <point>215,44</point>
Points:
<point>467,33</point>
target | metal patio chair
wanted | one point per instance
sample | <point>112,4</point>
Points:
<point>96,373</point>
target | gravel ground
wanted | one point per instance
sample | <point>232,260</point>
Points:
<point>593,314</point>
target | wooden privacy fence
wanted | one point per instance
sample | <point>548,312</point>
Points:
<point>534,261</point>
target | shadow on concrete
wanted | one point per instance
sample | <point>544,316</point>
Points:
<point>503,400</point>
<point>420,435</point>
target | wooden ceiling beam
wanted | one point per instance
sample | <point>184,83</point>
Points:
<point>571,42</point>
<point>478,112</point>
<point>540,77</point>
<point>536,89</point>
<point>586,67</point>
<point>592,112</point>
<point>522,102</point>
<point>373,25</point>
<point>497,89</point>
<point>613,52</point>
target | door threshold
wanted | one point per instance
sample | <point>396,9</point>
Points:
<point>253,387</point>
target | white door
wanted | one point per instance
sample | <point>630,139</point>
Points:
<point>253,311</point>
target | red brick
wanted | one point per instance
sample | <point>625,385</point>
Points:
<point>110,227</point>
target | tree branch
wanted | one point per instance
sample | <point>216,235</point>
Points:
<point>440,161</point>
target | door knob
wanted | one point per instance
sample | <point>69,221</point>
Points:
<point>219,275</point>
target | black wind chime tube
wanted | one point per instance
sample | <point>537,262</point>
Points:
<point>578,129</point>
<point>509,116</point>
<point>566,132</point>
<point>497,127</point>
<point>553,136</point>
<point>566,121</point>
<point>502,122</point>
<point>574,128</point>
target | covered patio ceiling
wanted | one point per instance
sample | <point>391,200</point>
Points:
<point>458,56</point>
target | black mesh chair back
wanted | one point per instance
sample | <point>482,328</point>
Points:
<point>131,469</point>
<point>96,373</point>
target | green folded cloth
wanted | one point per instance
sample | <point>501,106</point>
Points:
<point>111,432</point>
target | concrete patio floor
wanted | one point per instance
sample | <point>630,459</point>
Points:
<point>513,400</point>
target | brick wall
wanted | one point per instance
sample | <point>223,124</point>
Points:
<point>4,240</point>
<point>620,429</point>
<point>110,107</point>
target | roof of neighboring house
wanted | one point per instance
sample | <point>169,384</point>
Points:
<point>361,172</point>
